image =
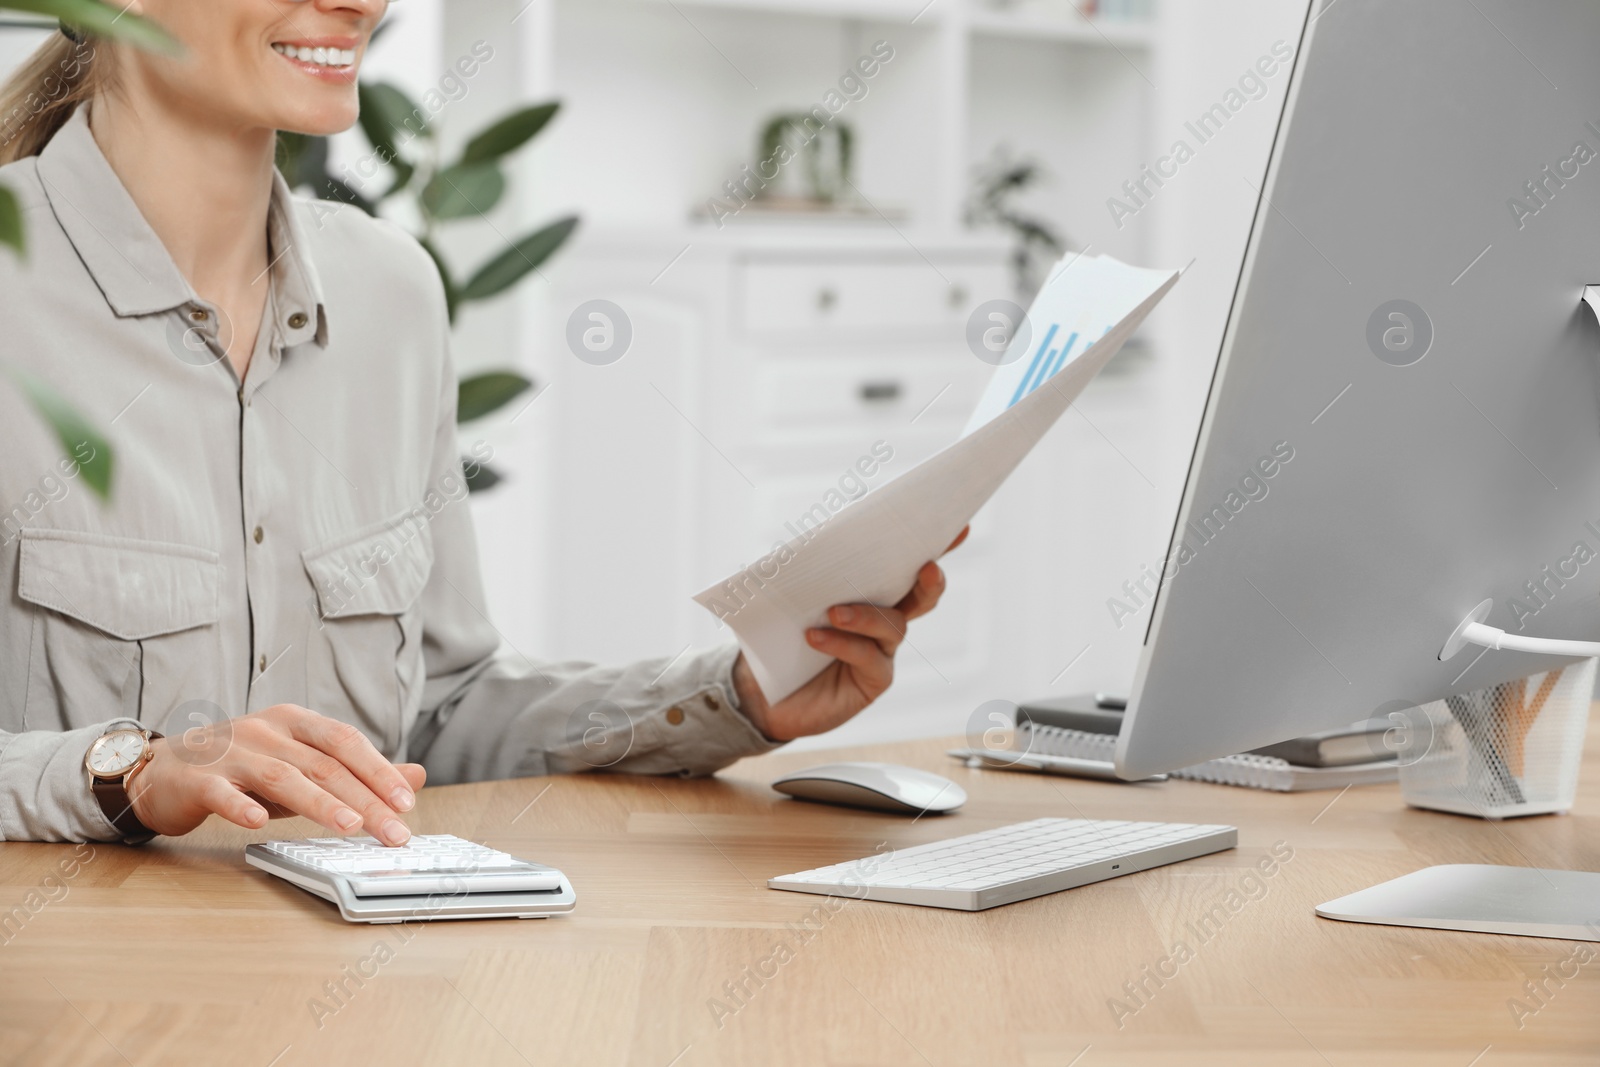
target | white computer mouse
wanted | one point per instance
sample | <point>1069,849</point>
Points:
<point>881,786</point>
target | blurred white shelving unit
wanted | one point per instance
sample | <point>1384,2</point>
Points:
<point>897,10</point>
<point>1070,90</point>
<point>770,354</point>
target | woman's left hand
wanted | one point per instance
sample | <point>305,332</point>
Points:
<point>862,641</point>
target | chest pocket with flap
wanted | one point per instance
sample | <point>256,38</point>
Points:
<point>364,659</point>
<point>121,627</point>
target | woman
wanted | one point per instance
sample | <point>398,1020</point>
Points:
<point>286,555</point>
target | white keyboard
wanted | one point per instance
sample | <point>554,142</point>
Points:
<point>432,876</point>
<point>1012,863</point>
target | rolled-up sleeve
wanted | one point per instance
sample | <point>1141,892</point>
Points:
<point>44,787</point>
<point>649,717</point>
<point>489,711</point>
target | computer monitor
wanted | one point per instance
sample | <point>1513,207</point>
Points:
<point>1404,419</point>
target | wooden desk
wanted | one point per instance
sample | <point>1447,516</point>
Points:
<point>178,953</point>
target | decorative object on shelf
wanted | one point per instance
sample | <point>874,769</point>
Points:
<point>822,145</point>
<point>824,154</point>
<point>403,144</point>
<point>998,183</point>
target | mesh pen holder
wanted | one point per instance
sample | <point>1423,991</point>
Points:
<point>1506,750</point>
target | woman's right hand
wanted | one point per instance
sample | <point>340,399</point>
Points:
<point>285,760</point>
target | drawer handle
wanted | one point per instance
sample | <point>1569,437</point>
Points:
<point>826,299</point>
<point>879,392</point>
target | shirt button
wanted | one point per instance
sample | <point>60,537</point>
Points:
<point>711,698</point>
<point>297,320</point>
<point>675,715</point>
<point>197,314</point>
<point>262,663</point>
<point>259,534</point>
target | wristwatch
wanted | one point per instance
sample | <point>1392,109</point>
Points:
<point>112,760</point>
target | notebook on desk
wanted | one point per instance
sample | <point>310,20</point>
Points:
<point>1086,727</point>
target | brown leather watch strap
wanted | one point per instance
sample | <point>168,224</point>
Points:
<point>112,793</point>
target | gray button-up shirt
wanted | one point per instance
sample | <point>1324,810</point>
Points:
<point>302,537</point>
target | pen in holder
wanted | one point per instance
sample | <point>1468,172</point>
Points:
<point>1506,750</point>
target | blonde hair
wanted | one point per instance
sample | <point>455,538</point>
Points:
<point>41,94</point>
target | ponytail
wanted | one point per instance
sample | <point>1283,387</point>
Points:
<point>41,94</point>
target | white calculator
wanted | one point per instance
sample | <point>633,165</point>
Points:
<point>432,876</point>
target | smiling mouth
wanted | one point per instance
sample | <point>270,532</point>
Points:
<point>329,58</point>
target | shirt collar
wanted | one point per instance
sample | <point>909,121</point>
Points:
<point>127,259</point>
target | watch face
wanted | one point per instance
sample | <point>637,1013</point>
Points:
<point>116,753</point>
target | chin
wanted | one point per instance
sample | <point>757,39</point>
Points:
<point>318,122</point>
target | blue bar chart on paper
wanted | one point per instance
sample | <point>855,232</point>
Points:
<point>1082,300</point>
<point>1047,361</point>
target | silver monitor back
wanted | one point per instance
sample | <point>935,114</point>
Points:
<point>1446,154</point>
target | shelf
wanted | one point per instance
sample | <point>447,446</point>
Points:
<point>1073,29</point>
<point>1052,25</point>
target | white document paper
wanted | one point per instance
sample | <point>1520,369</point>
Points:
<point>872,550</point>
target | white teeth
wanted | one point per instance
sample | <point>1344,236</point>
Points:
<point>325,57</point>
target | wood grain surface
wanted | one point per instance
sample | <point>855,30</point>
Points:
<point>677,954</point>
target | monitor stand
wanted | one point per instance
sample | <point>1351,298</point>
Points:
<point>1481,898</point>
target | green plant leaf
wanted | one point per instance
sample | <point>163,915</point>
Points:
<point>403,173</point>
<point>302,159</point>
<point>480,476</point>
<point>11,222</point>
<point>464,190</point>
<point>508,268</point>
<point>509,134</point>
<point>74,432</point>
<point>389,118</point>
<point>375,116</point>
<point>444,276</point>
<point>482,394</point>
<point>105,20</point>
<point>287,150</point>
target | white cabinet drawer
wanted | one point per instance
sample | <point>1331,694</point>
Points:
<point>868,393</point>
<point>807,299</point>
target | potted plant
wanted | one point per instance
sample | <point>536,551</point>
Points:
<point>441,192</point>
